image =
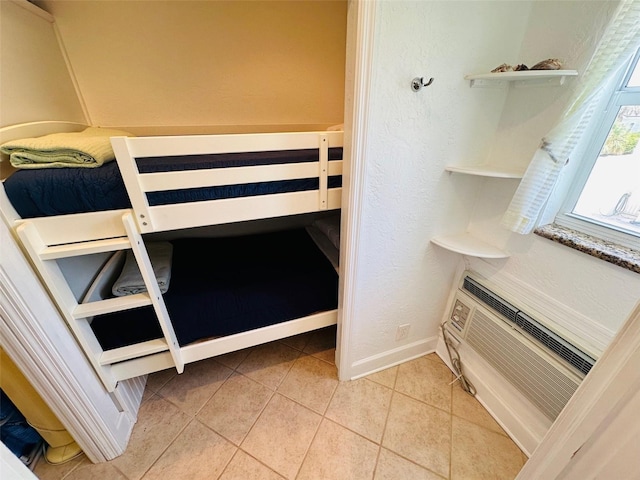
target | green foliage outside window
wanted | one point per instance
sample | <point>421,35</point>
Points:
<point>621,140</point>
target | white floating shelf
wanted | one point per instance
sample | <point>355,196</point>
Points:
<point>467,244</point>
<point>524,78</point>
<point>485,171</point>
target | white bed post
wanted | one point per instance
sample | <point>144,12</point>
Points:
<point>129,172</point>
<point>323,155</point>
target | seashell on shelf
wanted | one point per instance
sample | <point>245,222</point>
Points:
<point>520,68</point>
<point>502,68</point>
<point>549,64</point>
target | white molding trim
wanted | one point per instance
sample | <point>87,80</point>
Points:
<point>391,358</point>
<point>72,73</point>
<point>360,38</point>
<point>18,332</point>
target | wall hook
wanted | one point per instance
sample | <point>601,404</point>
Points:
<point>418,82</point>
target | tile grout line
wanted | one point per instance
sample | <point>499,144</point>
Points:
<point>73,469</point>
<point>122,473</point>
<point>386,419</point>
<point>229,462</point>
<point>315,434</point>
<point>257,460</point>
<point>306,452</point>
<point>394,391</point>
<point>266,404</point>
<point>274,391</point>
<point>167,447</point>
<point>195,415</point>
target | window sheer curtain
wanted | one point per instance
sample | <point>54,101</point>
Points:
<point>619,42</point>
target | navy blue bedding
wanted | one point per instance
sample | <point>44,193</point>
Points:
<point>59,191</point>
<point>221,286</point>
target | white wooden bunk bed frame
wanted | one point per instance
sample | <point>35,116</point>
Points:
<point>47,239</point>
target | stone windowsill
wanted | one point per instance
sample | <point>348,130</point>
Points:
<point>610,252</point>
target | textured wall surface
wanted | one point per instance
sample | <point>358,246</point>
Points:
<point>412,136</point>
<point>600,292</point>
<point>408,196</point>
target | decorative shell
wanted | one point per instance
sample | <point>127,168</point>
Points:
<point>502,68</point>
<point>520,68</point>
<point>549,64</point>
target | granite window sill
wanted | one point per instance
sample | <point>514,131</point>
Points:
<point>610,252</point>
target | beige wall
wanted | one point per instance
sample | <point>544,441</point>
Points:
<point>34,81</point>
<point>193,63</point>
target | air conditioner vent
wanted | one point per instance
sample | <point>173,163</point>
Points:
<point>567,352</point>
<point>532,373</point>
<point>556,344</point>
<point>489,298</point>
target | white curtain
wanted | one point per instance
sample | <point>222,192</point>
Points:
<point>619,42</point>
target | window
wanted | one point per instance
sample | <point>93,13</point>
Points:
<point>605,198</point>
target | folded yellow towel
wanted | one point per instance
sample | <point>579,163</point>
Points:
<point>89,149</point>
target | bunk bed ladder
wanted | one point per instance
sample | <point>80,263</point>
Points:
<point>44,261</point>
<point>115,364</point>
<point>142,258</point>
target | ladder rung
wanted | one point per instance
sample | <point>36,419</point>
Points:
<point>133,351</point>
<point>84,248</point>
<point>109,305</point>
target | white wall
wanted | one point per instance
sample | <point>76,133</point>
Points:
<point>597,295</point>
<point>408,198</point>
<point>34,81</point>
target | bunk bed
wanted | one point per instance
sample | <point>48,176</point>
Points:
<point>225,293</point>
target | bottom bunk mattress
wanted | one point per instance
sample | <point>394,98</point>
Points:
<point>222,286</point>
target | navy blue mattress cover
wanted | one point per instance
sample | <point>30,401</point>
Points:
<point>222,286</point>
<point>59,191</point>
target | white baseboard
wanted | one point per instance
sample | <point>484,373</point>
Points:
<point>391,358</point>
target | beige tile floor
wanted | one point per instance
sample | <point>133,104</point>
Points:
<point>278,411</point>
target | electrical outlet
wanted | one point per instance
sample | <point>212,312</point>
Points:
<point>403,331</point>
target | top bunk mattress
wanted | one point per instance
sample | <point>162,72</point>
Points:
<point>60,191</point>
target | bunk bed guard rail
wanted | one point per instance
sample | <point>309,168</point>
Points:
<point>172,216</point>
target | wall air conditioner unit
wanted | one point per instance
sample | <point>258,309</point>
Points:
<point>538,362</point>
